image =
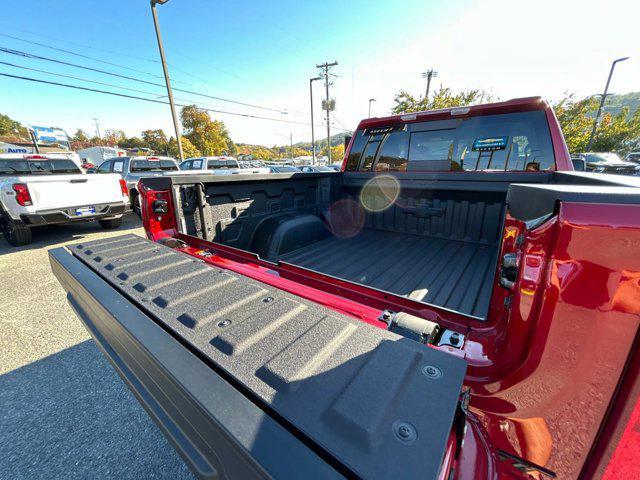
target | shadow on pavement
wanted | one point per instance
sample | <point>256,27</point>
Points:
<point>57,235</point>
<point>69,416</point>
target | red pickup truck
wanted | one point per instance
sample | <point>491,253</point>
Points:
<point>456,303</point>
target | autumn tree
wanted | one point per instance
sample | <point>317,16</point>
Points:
<point>337,152</point>
<point>10,127</point>
<point>210,137</point>
<point>156,140</point>
<point>188,149</point>
<point>114,137</point>
<point>441,98</point>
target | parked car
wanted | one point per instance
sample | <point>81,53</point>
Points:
<point>315,168</point>
<point>633,157</point>
<point>217,165</point>
<point>222,165</point>
<point>458,304</point>
<point>606,162</point>
<point>38,190</point>
<point>132,169</point>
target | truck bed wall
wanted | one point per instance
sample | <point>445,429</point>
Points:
<point>468,210</point>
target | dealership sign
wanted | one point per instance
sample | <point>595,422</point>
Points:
<point>9,148</point>
<point>50,136</point>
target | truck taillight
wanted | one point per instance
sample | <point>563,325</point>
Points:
<point>22,194</point>
<point>123,188</point>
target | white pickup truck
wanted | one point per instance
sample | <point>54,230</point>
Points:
<point>39,190</point>
<point>219,166</point>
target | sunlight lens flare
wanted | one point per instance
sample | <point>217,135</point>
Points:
<point>379,193</point>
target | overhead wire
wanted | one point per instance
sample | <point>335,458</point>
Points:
<point>72,77</point>
<point>151,100</point>
<point>81,45</point>
<point>88,57</point>
<point>139,80</point>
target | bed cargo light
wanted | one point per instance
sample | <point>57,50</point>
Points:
<point>22,194</point>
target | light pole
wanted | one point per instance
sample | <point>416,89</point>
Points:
<point>371,100</point>
<point>428,75</point>
<point>166,74</point>
<point>602,100</point>
<point>313,139</point>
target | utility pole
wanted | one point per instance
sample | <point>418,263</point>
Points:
<point>166,74</point>
<point>95,120</point>
<point>602,100</point>
<point>370,100</point>
<point>313,140</point>
<point>325,68</point>
<point>428,75</point>
<point>291,142</point>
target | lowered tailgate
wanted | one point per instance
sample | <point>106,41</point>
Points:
<point>62,191</point>
<point>319,393</point>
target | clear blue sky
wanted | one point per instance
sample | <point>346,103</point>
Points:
<point>265,52</point>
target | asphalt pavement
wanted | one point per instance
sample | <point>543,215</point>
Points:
<point>64,412</point>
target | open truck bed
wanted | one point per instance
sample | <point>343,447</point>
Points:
<point>269,384</point>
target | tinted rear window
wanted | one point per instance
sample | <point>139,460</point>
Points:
<point>38,167</point>
<point>220,164</point>
<point>514,141</point>
<point>153,165</point>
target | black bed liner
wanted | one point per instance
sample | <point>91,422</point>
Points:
<point>343,387</point>
<point>455,275</point>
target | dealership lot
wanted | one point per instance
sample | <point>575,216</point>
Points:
<point>64,412</point>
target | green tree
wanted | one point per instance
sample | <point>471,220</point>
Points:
<point>441,98</point>
<point>575,120</point>
<point>10,127</point>
<point>133,142</point>
<point>210,137</point>
<point>80,136</point>
<point>156,140</point>
<point>188,149</point>
<point>617,132</point>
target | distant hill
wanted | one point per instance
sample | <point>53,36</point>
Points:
<point>321,142</point>
<point>615,103</point>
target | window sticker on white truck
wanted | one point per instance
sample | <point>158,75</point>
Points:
<point>197,164</point>
<point>118,166</point>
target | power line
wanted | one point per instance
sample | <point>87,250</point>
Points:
<point>72,77</point>
<point>81,45</point>
<point>139,80</point>
<point>339,122</point>
<point>78,54</point>
<point>151,100</point>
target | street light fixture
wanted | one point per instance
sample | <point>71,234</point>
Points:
<point>370,100</point>
<point>166,74</point>
<point>313,139</point>
<point>602,100</point>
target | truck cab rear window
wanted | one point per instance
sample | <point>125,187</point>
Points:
<point>507,142</point>
<point>38,167</point>
<point>152,165</point>
<point>222,164</point>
